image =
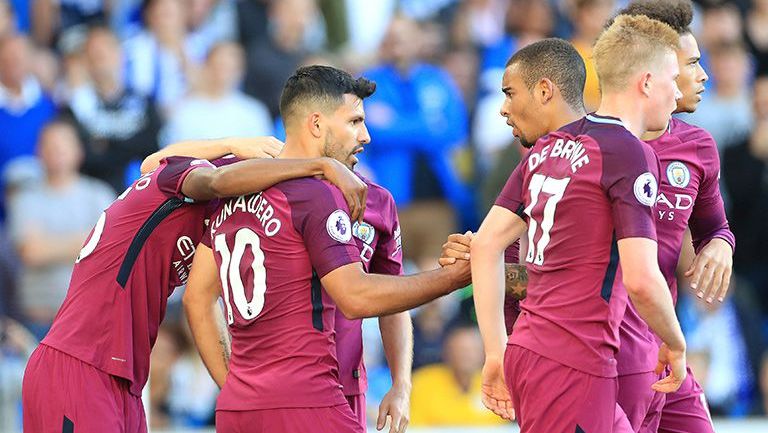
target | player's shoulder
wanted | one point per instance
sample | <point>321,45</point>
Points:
<point>307,188</point>
<point>608,132</point>
<point>688,133</point>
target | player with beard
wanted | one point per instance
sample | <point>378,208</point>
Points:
<point>285,260</point>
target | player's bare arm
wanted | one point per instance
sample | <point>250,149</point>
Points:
<point>204,315</point>
<point>499,230</point>
<point>651,297</point>
<point>359,294</point>
<point>255,175</point>
<point>397,336</point>
<point>457,247</point>
<point>243,148</point>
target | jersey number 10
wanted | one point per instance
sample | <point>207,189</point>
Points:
<point>230,276</point>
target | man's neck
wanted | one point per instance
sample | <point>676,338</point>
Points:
<point>621,106</point>
<point>109,89</point>
<point>566,117</point>
<point>61,181</point>
<point>652,135</point>
<point>14,89</point>
<point>295,148</point>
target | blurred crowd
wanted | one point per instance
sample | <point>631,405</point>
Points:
<point>88,88</point>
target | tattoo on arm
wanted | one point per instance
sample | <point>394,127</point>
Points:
<point>516,280</point>
<point>226,351</point>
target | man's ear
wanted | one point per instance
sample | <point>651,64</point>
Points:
<point>544,91</point>
<point>315,124</point>
<point>645,84</point>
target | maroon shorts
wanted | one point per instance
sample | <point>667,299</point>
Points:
<point>641,403</point>
<point>338,419</point>
<point>357,404</point>
<point>686,410</point>
<point>550,397</point>
<point>63,394</point>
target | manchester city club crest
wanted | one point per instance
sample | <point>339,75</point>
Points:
<point>678,174</point>
<point>365,232</point>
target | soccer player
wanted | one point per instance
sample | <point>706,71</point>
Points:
<point>377,237</point>
<point>689,195</point>
<point>587,192</point>
<point>88,372</point>
<point>286,260</point>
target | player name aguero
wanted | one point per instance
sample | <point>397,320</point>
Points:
<point>254,204</point>
<point>571,150</point>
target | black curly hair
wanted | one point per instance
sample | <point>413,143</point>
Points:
<point>677,14</point>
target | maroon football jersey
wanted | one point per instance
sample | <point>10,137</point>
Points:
<point>272,249</point>
<point>378,239</point>
<point>584,187</point>
<point>140,250</point>
<point>689,195</point>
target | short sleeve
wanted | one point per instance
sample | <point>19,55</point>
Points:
<point>388,257</point>
<point>511,196</point>
<point>173,170</point>
<point>630,180</point>
<point>321,217</point>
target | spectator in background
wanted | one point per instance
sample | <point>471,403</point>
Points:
<point>589,18</point>
<point>219,109</point>
<point>16,345</point>
<point>756,34</point>
<point>7,19</point>
<point>429,330</point>
<point>720,22</point>
<point>161,60</point>
<point>717,353</point>
<point>448,394</point>
<point>418,122</point>
<point>52,18</point>
<point>745,175</point>
<point>727,111</point>
<point>191,398</point>
<point>116,124</point>
<point>272,59</point>
<point>23,172</point>
<point>24,106</point>
<point>49,222</point>
<point>210,22</point>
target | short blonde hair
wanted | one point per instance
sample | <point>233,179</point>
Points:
<point>628,45</point>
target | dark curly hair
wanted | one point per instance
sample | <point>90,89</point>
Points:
<point>677,14</point>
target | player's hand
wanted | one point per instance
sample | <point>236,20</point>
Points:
<point>455,248</point>
<point>354,189</point>
<point>461,273</point>
<point>495,394</point>
<point>257,147</point>
<point>711,270</point>
<point>674,360</point>
<point>396,405</point>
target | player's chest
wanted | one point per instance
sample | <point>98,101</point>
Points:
<point>679,183</point>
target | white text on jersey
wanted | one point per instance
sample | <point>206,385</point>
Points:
<point>571,150</point>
